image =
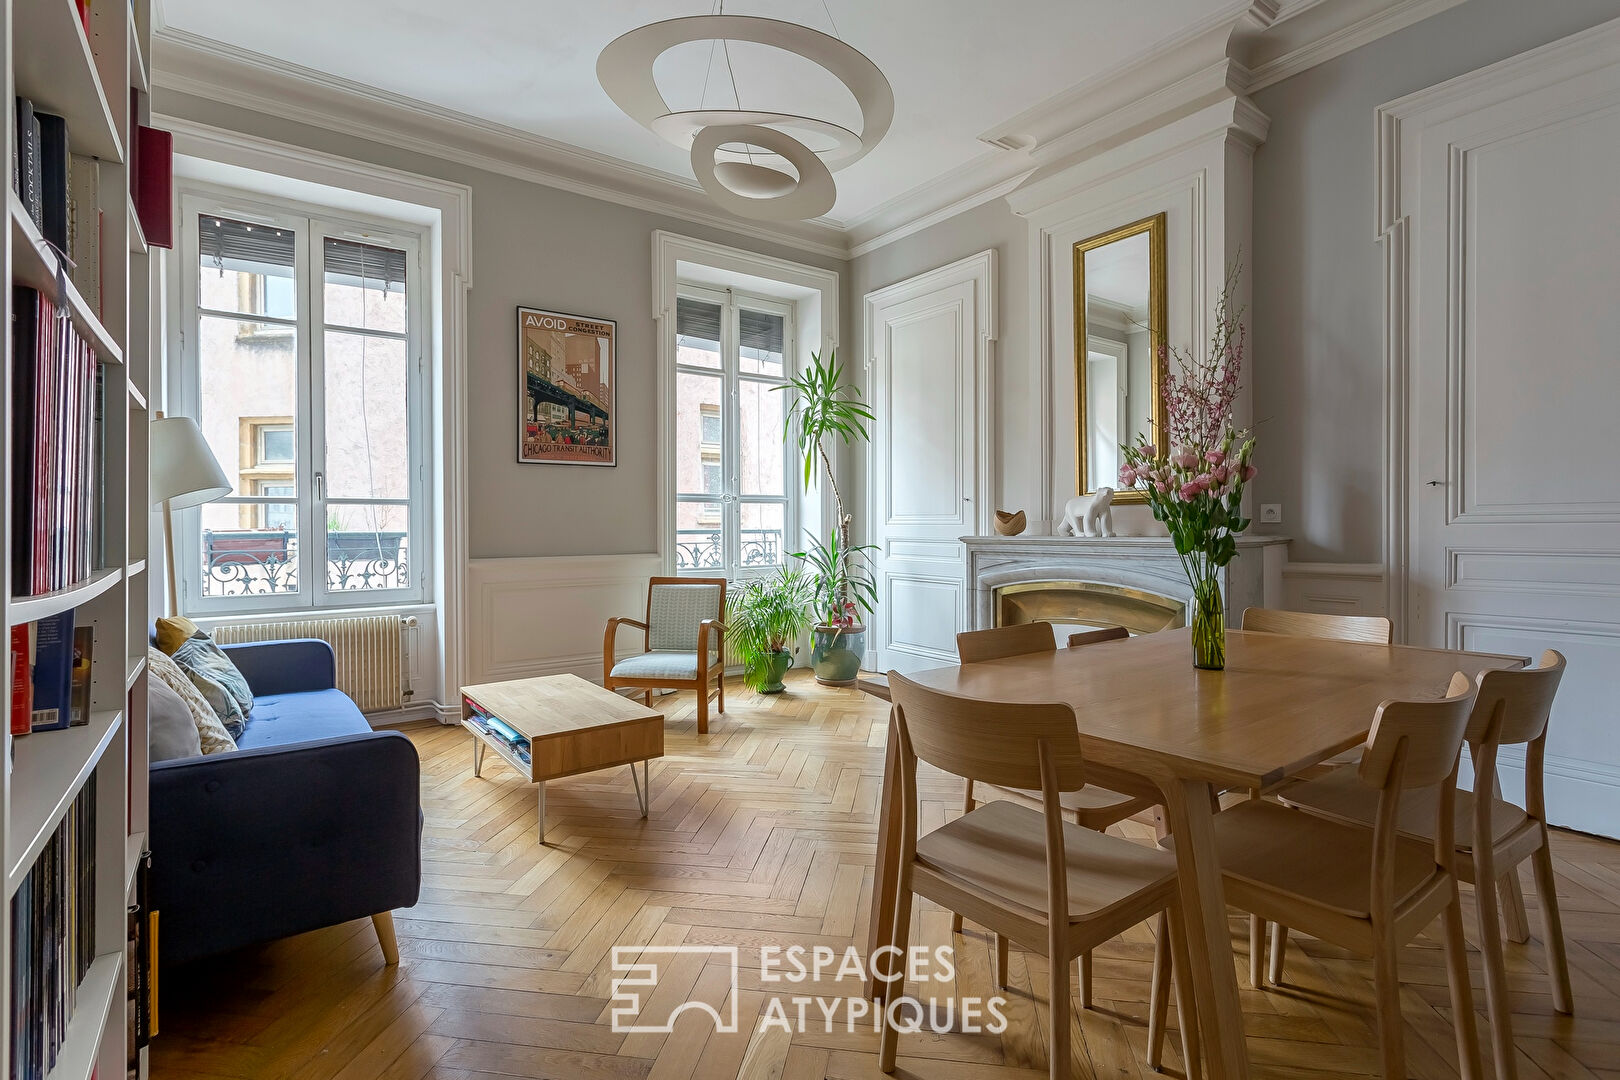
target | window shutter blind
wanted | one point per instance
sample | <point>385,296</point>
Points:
<point>700,320</point>
<point>249,248</point>
<point>697,319</point>
<point>373,267</point>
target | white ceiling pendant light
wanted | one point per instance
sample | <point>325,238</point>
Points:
<point>723,142</point>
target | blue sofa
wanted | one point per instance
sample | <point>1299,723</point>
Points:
<point>314,821</point>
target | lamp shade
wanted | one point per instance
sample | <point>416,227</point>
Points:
<point>183,470</point>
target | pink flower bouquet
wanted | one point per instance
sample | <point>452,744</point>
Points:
<point>1196,488</point>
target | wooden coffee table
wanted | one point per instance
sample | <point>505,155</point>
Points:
<point>572,726</point>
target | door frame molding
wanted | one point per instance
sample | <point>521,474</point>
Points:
<point>978,270</point>
<point>1400,126</point>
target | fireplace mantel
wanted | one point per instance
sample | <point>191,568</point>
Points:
<point>1146,563</point>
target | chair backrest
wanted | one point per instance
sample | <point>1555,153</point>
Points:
<point>1516,702</point>
<point>977,646</point>
<point>675,607</point>
<point>1097,637</point>
<point>1513,706</point>
<point>1414,744</point>
<point>987,741</point>
<point>1371,629</point>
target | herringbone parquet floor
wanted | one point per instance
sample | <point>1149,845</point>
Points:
<point>762,834</point>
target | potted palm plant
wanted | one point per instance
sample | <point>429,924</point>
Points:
<point>825,407</point>
<point>764,618</point>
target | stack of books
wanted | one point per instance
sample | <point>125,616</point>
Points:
<point>53,938</point>
<point>504,733</point>
<point>61,192</point>
<point>57,458</point>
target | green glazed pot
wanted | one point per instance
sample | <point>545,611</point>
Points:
<point>836,653</point>
<point>776,665</point>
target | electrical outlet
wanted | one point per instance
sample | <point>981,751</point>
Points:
<point>1271,513</point>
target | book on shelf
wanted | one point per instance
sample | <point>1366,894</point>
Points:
<point>152,184</point>
<point>26,178</point>
<point>84,642</point>
<point>84,228</point>
<point>61,192</point>
<point>53,672</point>
<point>53,938</point>
<point>22,679</point>
<point>55,508</point>
<point>140,987</point>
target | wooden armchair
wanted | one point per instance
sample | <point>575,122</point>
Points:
<point>682,643</point>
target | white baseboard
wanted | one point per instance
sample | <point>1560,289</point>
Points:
<point>545,616</point>
<point>1335,588</point>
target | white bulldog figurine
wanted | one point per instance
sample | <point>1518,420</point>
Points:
<point>1093,516</point>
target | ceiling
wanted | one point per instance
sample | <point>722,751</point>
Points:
<point>958,67</point>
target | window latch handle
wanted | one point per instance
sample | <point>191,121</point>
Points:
<point>320,485</point>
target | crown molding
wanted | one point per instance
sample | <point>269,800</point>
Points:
<point>1312,32</point>
<point>1246,45</point>
<point>189,64</point>
<point>987,177</point>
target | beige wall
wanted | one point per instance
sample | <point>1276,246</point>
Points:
<point>540,247</point>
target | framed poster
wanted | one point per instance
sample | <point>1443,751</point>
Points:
<point>566,392</point>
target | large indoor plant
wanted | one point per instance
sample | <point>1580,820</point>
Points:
<point>764,618</point>
<point>825,407</point>
<point>1196,487</point>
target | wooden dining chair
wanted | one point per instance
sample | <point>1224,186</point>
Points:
<point>1367,629</point>
<point>1092,807</point>
<point>1370,890</point>
<point>1053,887</point>
<point>1492,836</point>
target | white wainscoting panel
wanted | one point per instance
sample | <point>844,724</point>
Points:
<point>924,616</point>
<point>1335,588</point>
<point>545,616</point>
<point>1583,782</point>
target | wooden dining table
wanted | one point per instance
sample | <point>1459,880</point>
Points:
<point>1150,721</point>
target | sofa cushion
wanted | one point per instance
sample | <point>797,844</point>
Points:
<point>212,736</point>
<point>172,728</point>
<point>282,719</point>
<point>211,670</point>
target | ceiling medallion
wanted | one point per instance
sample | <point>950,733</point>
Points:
<point>719,139</point>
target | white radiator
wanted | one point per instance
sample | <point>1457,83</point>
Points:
<point>373,652</point>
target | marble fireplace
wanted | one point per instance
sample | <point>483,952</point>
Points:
<point>1130,581</point>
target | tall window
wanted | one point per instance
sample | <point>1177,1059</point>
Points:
<point>302,359</point>
<point>733,512</point>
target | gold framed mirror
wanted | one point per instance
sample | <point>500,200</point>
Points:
<point>1119,328</point>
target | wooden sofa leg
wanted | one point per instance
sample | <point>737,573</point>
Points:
<point>384,922</point>
<point>703,709</point>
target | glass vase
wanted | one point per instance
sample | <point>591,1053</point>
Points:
<point>1208,625</point>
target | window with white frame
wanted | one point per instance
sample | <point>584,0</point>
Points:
<point>301,356</point>
<point>734,511</point>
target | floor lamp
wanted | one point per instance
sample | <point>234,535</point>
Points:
<point>184,473</point>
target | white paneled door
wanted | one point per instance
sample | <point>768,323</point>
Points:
<point>928,346</point>
<point>1507,178</point>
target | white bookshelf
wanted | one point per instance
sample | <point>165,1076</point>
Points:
<point>86,77</point>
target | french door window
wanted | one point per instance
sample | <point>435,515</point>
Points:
<point>733,513</point>
<point>301,357</point>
